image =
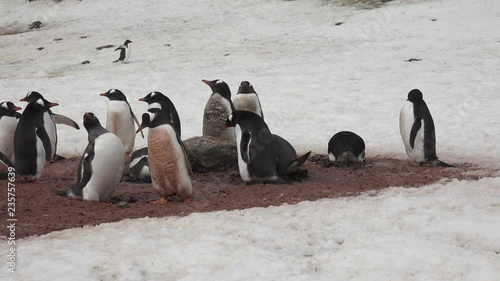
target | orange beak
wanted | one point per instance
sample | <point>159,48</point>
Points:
<point>23,99</point>
<point>53,104</point>
<point>104,94</point>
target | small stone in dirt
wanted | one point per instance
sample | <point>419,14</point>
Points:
<point>167,45</point>
<point>226,55</point>
<point>85,62</point>
<point>434,19</point>
<point>412,60</point>
<point>339,23</point>
<point>207,154</point>
<point>36,24</point>
<point>40,48</point>
<point>105,47</point>
<point>58,39</point>
<point>83,37</point>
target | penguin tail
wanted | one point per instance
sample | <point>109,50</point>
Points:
<point>295,164</point>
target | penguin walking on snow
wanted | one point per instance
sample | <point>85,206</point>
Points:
<point>50,120</point>
<point>417,130</point>
<point>101,165</point>
<point>32,145</point>
<point>346,147</point>
<point>247,99</point>
<point>159,100</point>
<point>262,156</point>
<point>125,50</point>
<point>120,121</point>
<point>219,106</point>
<point>168,163</point>
<point>8,124</point>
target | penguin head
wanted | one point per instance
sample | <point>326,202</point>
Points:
<point>154,117</point>
<point>245,88</point>
<point>153,97</point>
<point>32,96</point>
<point>7,108</point>
<point>219,86</point>
<point>415,95</point>
<point>90,121</point>
<point>114,94</point>
<point>127,42</point>
<point>233,119</point>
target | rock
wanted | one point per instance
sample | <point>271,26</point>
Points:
<point>339,23</point>
<point>40,48</point>
<point>413,59</point>
<point>36,24</point>
<point>85,62</point>
<point>207,154</point>
<point>105,47</point>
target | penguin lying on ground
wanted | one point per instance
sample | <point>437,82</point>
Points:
<point>217,109</point>
<point>139,166</point>
<point>346,147</point>
<point>50,120</point>
<point>125,51</point>
<point>101,165</point>
<point>417,130</point>
<point>32,145</point>
<point>8,124</point>
<point>262,156</point>
<point>247,99</point>
<point>159,100</point>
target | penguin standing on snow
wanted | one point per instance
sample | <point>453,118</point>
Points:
<point>346,147</point>
<point>262,156</point>
<point>417,130</point>
<point>31,142</point>
<point>217,109</point>
<point>125,50</point>
<point>247,99</point>
<point>49,120</point>
<point>120,121</point>
<point>8,124</point>
<point>159,100</point>
<point>168,163</point>
<point>101,165</point>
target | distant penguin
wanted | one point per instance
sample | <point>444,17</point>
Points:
<point>8,124</point>
<point>262,156</point>
<point>417,130</point>
<point>139,166</point>
<point>168,163</point>
<point>346,147</point>
<point>120,121</point>
<point>247,99</point>
<point>101,165</point>
<point>159,100</point>
<point>125,50</point>
<point>31,142</point>
<point>217,109</point>
<point>50,119</point>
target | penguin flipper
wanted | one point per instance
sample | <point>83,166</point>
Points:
<point>44,137</point>
<point>6,161</point>
<point>417,124</point>
<point>245,142</point>
<point>184,152</point>
<point>61,119</point>
<point>84,171</point>
<point>135,120</point>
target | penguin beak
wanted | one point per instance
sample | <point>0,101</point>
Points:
<point>206,82</point>
<point>104,94</point>
<point>223,127</point>
<point>52,104</point>
<point>140,129</point>
<point>16,108</point>
<point>23,99</point>
<point>142,99</point>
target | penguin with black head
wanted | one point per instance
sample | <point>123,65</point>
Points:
<point>125,51</point>
<point>8,123</point>
<point>247,99</point>
<point>417,130</point>
<point>159,100</point>
<point>217,109</point>
<point>346,147</point>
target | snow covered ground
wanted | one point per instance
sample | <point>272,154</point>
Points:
<point>314,79</point>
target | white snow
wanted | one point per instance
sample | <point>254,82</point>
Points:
<point>313,78</point>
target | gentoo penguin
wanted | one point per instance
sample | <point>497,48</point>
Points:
<point>101,165</point>
<point>417,130</point>
<point>120,121</point>
<point>217,109</point>
<point>139,166</point>
<point>168,163</point>
<point>125,50</point>
<point>159,100</point>
<point>8,124</point>
<point>50,119</point>
<point>262,156</point>
<point>31,142</point>
<point>346,147</point>
<point>247,99</point>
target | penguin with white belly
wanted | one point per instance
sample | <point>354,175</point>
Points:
<point>139,166</point>
<point>125,51</point>
<point>417,130</point>
<point>247,99</point>
<point>8,124</point>
<point>32,146</point>
<point>101,165</point>
<point>159,100</point>
<point>168,163</point>
<point>262,156</point>
<point>120,121</point>
<point>217,109</point>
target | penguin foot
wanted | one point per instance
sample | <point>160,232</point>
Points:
<point>435,163</point>
<point>62,192</point>
<point>161,201</point>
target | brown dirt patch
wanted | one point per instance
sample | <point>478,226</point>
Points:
<point>39,210</point>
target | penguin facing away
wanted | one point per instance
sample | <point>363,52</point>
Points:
<point>125,50</point>
<point>217,109</point>
<point>346,147</point>
<point>32,145</point>
<point>247,99</point>
<point>159,100</point>
<point>101,165</point>
<point>168,163</point>
<point>262,156</point>
<point>50,119</point>
<point>417,130</point>
<point>8,124</point>
<point>139,166</point>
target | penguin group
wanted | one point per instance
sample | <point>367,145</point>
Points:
<point>29,140</point>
